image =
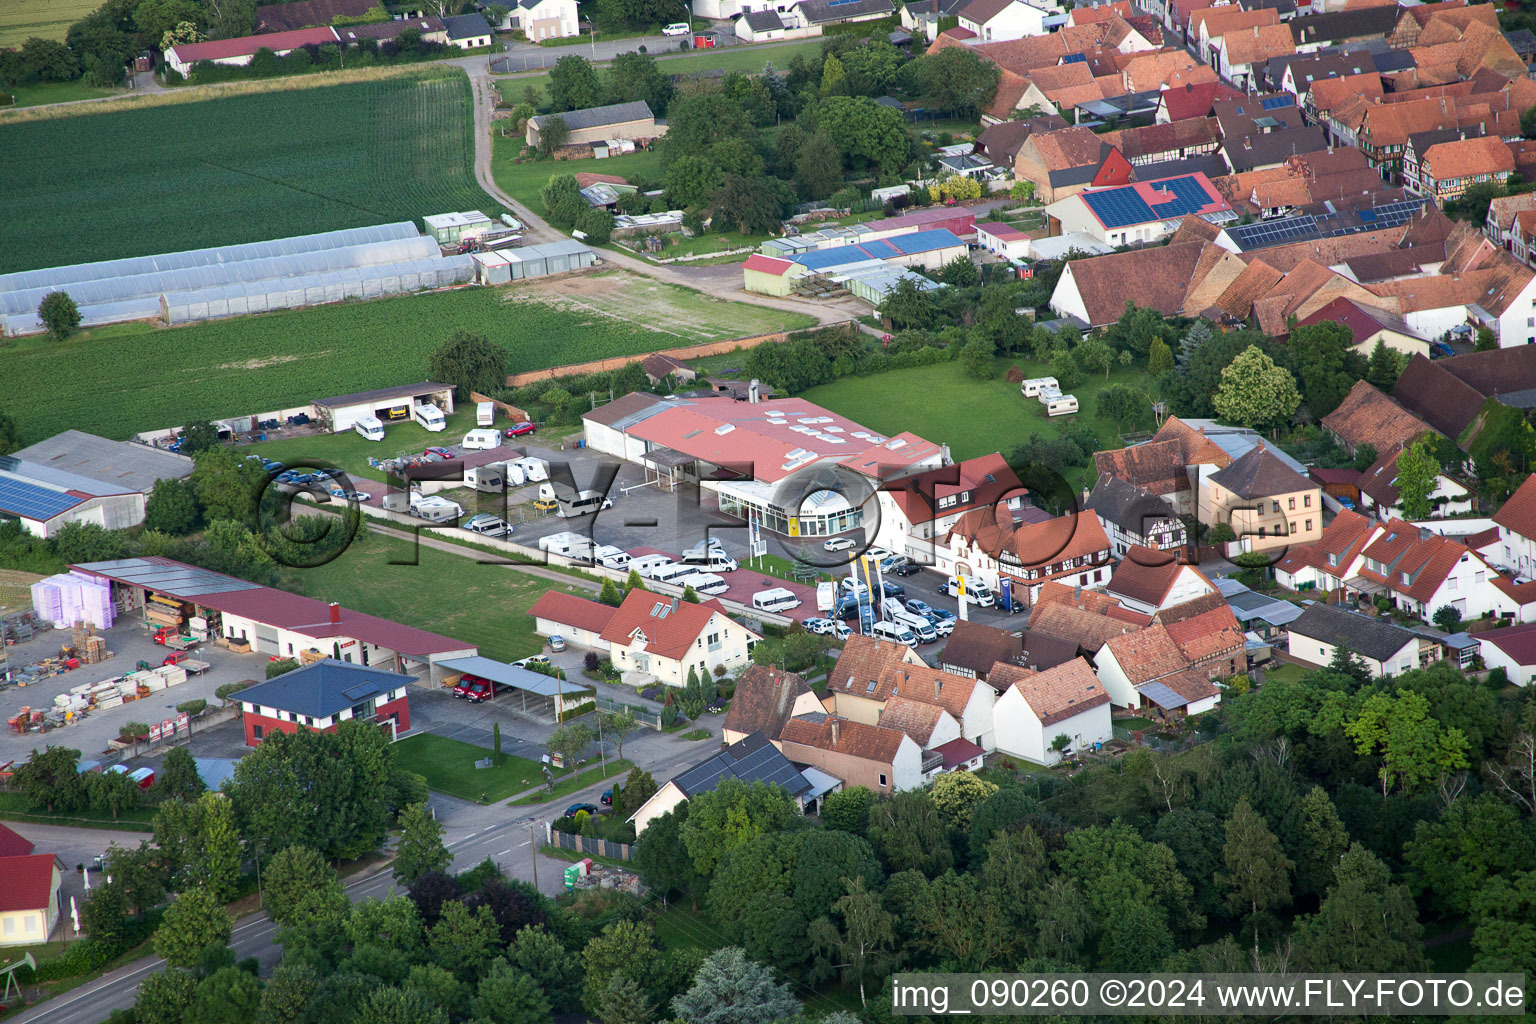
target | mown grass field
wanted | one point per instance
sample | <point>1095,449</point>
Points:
<point>121,379</point>
<point>107,182</point>
<point>20,20</point>
<point>446,593</point>
<point>523,181</point>
<point>973,417</point>
<point>449,767</point>
<point>38,93</point>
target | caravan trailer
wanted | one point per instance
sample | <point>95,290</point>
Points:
<point>429,416</point>
<point>1058,404</point>
<point>485,478</point>
<point>485,414</point>
<point>370,427</point>
<point>1034,385</point>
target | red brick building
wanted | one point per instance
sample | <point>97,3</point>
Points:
<point>321,696</point>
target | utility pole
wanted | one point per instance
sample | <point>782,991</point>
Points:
<point>533,853</point>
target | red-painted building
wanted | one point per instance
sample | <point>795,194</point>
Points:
<point>321,696</point>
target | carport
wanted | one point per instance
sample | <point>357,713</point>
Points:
<point>665,463</point>
<point>551,697</point>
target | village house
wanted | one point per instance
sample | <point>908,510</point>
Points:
<point>657,638</point>
<point>576,620</point>
<point>1267,504</point>
<point>750,760</point>
<point>1165,466</point>
<point>974,648</point>
<point>1143,211</point>
<point>1149,581</point>
<point>917,511</point>
<point>1379,485</point>
<point>1038,707</point>
<point>883,760</point>
<point>1132,518</point>
<point>869,673</point>
<point>29,898</point>
<point>1421,572</point>
<point>1145,667</point>
<point>1367,325</point>
<point>1084,618</point>
<point>1367,417</point>
<point>1315,636</point>
<point>322,695</point>
<point>1327,562</point>
<point>1450,168</point>
<point>1064,163</point>
<point>1516,522</point>
<point>991,546</point>
<point>997,21</point>
<point>1512,649</point>
<point>766,697</point>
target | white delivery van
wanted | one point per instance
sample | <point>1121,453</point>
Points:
<point>976,592</point>
<point>429,416</point>
<point>479,440</point>
<point>436,510</point>
<point>533,469</point>
<point>370,427</point>
<point>485,414</point>
<point>1059,404</point>
<point>1034,385</point>
<point>919,625</point>
<point>702,548</point>
<point>704,583</point>
<point>485,478</point>
<point>776,600</point>
<point>673,573</point>
<point>610,557</point>
<point>714,560</point>
<point>826,595</point>
<point>646,563</point>
<point>894,632</point>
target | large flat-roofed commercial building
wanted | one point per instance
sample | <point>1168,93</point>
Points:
<point>783,464</point>
<point>79,477</point>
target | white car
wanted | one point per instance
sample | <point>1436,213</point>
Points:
<point>842,629</point>
<point>818,625</point>
<point>944,627</point>
<point>337,492</point>
<point>677,28</point>
<point>839,544</point>
<point>877,555</point>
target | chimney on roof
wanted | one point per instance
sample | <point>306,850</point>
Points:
<point>335,614</point>
<point>674,604</point>
<point>938,684</point>
<point>837,731</point>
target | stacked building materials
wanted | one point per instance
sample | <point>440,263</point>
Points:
<point>173,675</point>
<point>69,598</point>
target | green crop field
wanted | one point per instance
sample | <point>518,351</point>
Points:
<point>118,380</point>
<point>108,182</point>
<point>20,20</point>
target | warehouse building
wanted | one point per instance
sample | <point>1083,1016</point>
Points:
<point>452,228</point>
<point>245,615</point>
<point>322,695</point>
<point>240,50</point>
<point>632,120</point>
<point>768,462</point>
<point>135,466</point>
<point>769,275</point>
<point>43,500</point>
<point>390,405</point>
<point>503,266</point>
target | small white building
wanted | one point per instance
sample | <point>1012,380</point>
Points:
<point>468,31</point>
<point>240,50</point>
<point>1516,520</point>
<point>1513,650</point>
<point>577,620</point>
<point>1037,707</point>
<point>1320,630</point>
<point>884,760</point>
<point>29,908</point>
<point>1143,211</point>
<point>1003,240</point>
<point>660,638</point>
<point>544,19</point>
<point>1379,486</point>
<point>1148,581</point>
<point>1000,21</point>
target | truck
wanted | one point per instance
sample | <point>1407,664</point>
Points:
<point>174,639</point>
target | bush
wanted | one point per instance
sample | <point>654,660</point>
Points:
<point>590,662</point>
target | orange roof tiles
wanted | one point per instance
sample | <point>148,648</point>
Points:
<point>1466,158</point>
<point>1147,654</point>
<point>1366,416</point>
<point>1061,692</point>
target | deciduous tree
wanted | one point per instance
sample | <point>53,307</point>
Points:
<point>1258,875</point>
<point>733,813</point>
<point>1418,473</point>
<point>507,995</point>
<point>574,84</point>
<point>421,845</point>
<point>1414,748</point>
<point>292,874</point>
<point>194,921</point>
<point>1255,392</point>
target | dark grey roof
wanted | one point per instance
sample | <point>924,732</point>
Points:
<point>1521,40</point>
<point>1254,151</point>
<point>390,29</point>
<point>597,117</point>
<point>1248,605</point>
<point>1127,506</point>
<point>1395,60</point>
<point>1208,164</point>
<point>763,21</point>
<point>1359,23</point>
<point>1362,634</point>
<point>122,464</point>
<point>822,12</point>
<point>425,387</point>
<point>752,759</point>
<point>467,26</point>
<point>323,688</point>
<point>1259,474</point>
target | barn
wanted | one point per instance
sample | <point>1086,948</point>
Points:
<point>342,412</point>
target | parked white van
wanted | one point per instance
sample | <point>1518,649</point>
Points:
<point>582,503</point>
<point>370,427</point>
<point>645,564</point>
<point>436,510</point>
<point>480,440</point>
<point>1034,385</point>
<point>894,632</point>
<point>919,625</point>
<point>703,583</point>
<point>778,599</point>
<point>429,416</point>
<point>713,560</point>
<point>485,478</point>
<point>826,595</point>
<point>673,573</point>
<point>976,592</point>
<point>611,557</point>
<point>485,414</point>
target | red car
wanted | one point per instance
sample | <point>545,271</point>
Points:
<point>176,657</point>
<point>442,452</point>
<point>519,429</point>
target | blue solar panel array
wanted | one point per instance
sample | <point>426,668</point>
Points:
<point>1327,225</point>
<point>1120,207</point>
<point>1277,102</point>
<point>33,502</point>
<point>1074,58</point>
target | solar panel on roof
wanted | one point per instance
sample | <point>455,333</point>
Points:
<point>33,502</point>
<point>1276,102</point>
<point>359,692</point>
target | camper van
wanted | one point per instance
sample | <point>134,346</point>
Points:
<point>826,595</point>
<point>673,573</point>
<point>714,560</point>
<point>918,624</point>
<point>894,632</point>
<point>703,583</point>
<point>976,592</point>
<point>610,557</point>
<point>776,600</point>
<point>533,469</point>
<point>582,503</point>
<point>436,510</point>
<point>1058,404</point>
<point>479,440</point>
<point>485,478</point>
<point>370,427</point>
<point>646,564</point>
<point>485,414</point>
<point>1034,385</point>
<point>429,417</point>
<point>571,545</point>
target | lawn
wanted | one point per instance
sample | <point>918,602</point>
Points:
<point>38,93</point>
<point>350,451</point>
<point>449,767</point>
<point>1285,672</point>
<point>164,177</point>
<point>13,807</point>
<point>20,20</point>
<point>571,783</point>
<point>121,379</point>
<point>523,181</point>
<point>446,593</point>
<point>973,417</point>
<point>750,59</point>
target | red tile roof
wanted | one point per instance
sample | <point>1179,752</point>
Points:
<point>1034,545</point>
<point>570,610</point>
<point>987,478</point>
<point>1147,654</point>
<point>246,45</point>
<point>669,630</point>
<point>1427,558</point>
<point>12,843</point>
<point>1207,635</point>
<point>958,751</point>
<point>854,739</point>
<point>1145,575</point>
<point>767,264</point>
<point>1518,513</point>
<point>1519,642</point>
<point>1366,416</point>
<point>913,717</point>
<point>26,882</point>
<point>1061,692</point>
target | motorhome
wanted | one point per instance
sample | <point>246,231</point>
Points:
<point>370,427</point>
<point>918,624</point>
<point>429,417</point>
<point>673,573</point>
<point>826,595</point>
<point>714,560</point>
<point>976,592</point>
<point>610,557</point>
<point>778,599</point>
<point>702,547</point>
<point>1059,404</point>
<point>894,632</point>
<point>645,564</point>
<point>485,414</point>
<point>1034,385</point>
<point>533,469</point>
<point>485,478</point>
<point>479,440</point>
<point>571,545</point>
<point>436,510</point>
<point>703,583</point>
<point>582,503</point>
